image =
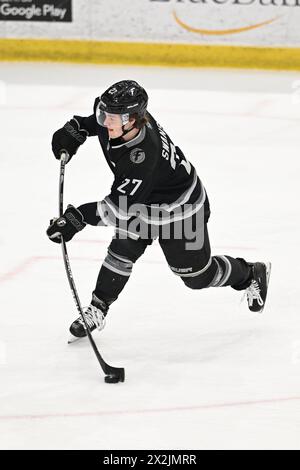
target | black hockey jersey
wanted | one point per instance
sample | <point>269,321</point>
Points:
<point>152,178</point>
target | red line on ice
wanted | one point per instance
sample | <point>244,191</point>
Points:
<point>8,276</point>
<point>24,265</point>
<point>204,407</point>
<point>29,262</point>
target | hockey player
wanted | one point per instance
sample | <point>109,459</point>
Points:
<point>156,193</point>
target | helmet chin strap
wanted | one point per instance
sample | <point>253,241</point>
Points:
<point>125,131</point>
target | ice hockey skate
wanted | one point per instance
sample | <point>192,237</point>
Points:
<point>94,316</point>
<point>257,291</point>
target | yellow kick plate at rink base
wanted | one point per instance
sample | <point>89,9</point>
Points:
<point>177,55</point>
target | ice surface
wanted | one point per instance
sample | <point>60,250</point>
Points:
<point>202,372</point>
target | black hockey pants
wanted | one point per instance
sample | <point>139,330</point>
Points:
<point>188,258</point>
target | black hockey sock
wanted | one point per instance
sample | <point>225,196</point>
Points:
<point>234,272</point>
<point>109,285</point>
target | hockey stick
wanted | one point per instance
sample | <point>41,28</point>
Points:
<point>113,374</point>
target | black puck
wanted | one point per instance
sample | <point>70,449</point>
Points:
<point>111,379</point>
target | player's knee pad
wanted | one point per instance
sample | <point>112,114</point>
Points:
<point>202,278</point>
<point>118,264</point>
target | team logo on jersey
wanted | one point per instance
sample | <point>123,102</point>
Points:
<point>137,155</point>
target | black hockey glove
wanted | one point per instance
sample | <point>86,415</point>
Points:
<point>66,226</point>
<point>68,138</point>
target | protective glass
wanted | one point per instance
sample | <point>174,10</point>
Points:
<point>111,120</point>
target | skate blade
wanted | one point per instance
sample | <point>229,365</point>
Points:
<point>268,269</point>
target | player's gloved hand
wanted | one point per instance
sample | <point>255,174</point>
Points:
<point>68,138</point>
<point>66,226</point>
